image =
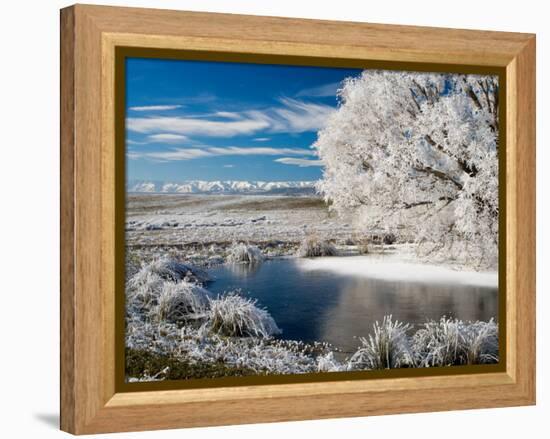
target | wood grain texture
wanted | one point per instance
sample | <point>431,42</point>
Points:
<point>525,221</point>
<point>371,41</point>
<point>90,35</point>
<point>67,254</point>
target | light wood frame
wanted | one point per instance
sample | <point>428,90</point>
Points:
<point>89,36</point>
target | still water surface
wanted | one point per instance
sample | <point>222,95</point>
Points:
<point>323,305</point>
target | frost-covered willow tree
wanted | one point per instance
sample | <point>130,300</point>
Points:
<point>416,154</point>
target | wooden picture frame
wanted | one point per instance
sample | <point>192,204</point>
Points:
<point>91,402</point>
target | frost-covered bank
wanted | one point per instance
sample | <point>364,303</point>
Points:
<point>173,319</point>
<point>398,266</point>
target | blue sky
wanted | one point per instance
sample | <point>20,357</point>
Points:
<point>198,120</point>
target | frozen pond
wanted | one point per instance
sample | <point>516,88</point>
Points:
<point>337,299</point>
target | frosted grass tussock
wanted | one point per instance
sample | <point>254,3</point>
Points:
<point>480,343</point>
<point>327,363</point>
<point>312,247</point>
<point>180,302</point>
<point>387,348</point>
<point>143,290</point>
<point>236,316</point>
<point>169,270</point>
<point>437,344</point>
<point>244,253</point>
<point>166,289</point>
<point>451,342</point>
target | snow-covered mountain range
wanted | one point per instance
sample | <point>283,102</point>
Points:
<point>227,186</point>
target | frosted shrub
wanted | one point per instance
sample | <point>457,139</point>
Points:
<point>180,302</point>
<point>387,348</point>
<point>312,247</point>
<point>236,316</point>
<point>451,342</point>
<point>244,253</point>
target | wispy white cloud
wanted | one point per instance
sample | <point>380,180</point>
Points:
<point>302,163</point>
<point>244,150</point>
<point>197,127</point>
<point>262,139</point>
<point>325,90</point>
<point>178,154</point>
<point>227,114</point>
<point>155,108</point>
<point>228,166</point>
<point>167,138</point>
<point>299,116</point>
<point>134,142</point>
<point>292,116</point>
<point>172,155</point>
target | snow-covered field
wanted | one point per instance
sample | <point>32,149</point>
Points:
<point>203,225</point>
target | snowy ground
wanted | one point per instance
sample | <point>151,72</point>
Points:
<point>203,226</point>
<point>397,266</point>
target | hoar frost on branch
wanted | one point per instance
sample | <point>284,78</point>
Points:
<point>417,154</point>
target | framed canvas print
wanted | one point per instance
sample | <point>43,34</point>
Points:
<point>270,219</point>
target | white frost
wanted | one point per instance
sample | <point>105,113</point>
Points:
<point>417,154</point>
<point>395,269</point>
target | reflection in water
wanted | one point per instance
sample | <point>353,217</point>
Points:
<point>362,302</point>
<point>244,270</point>
<point>319,305</point>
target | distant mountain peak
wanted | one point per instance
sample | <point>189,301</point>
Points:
<point>223,186</point>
